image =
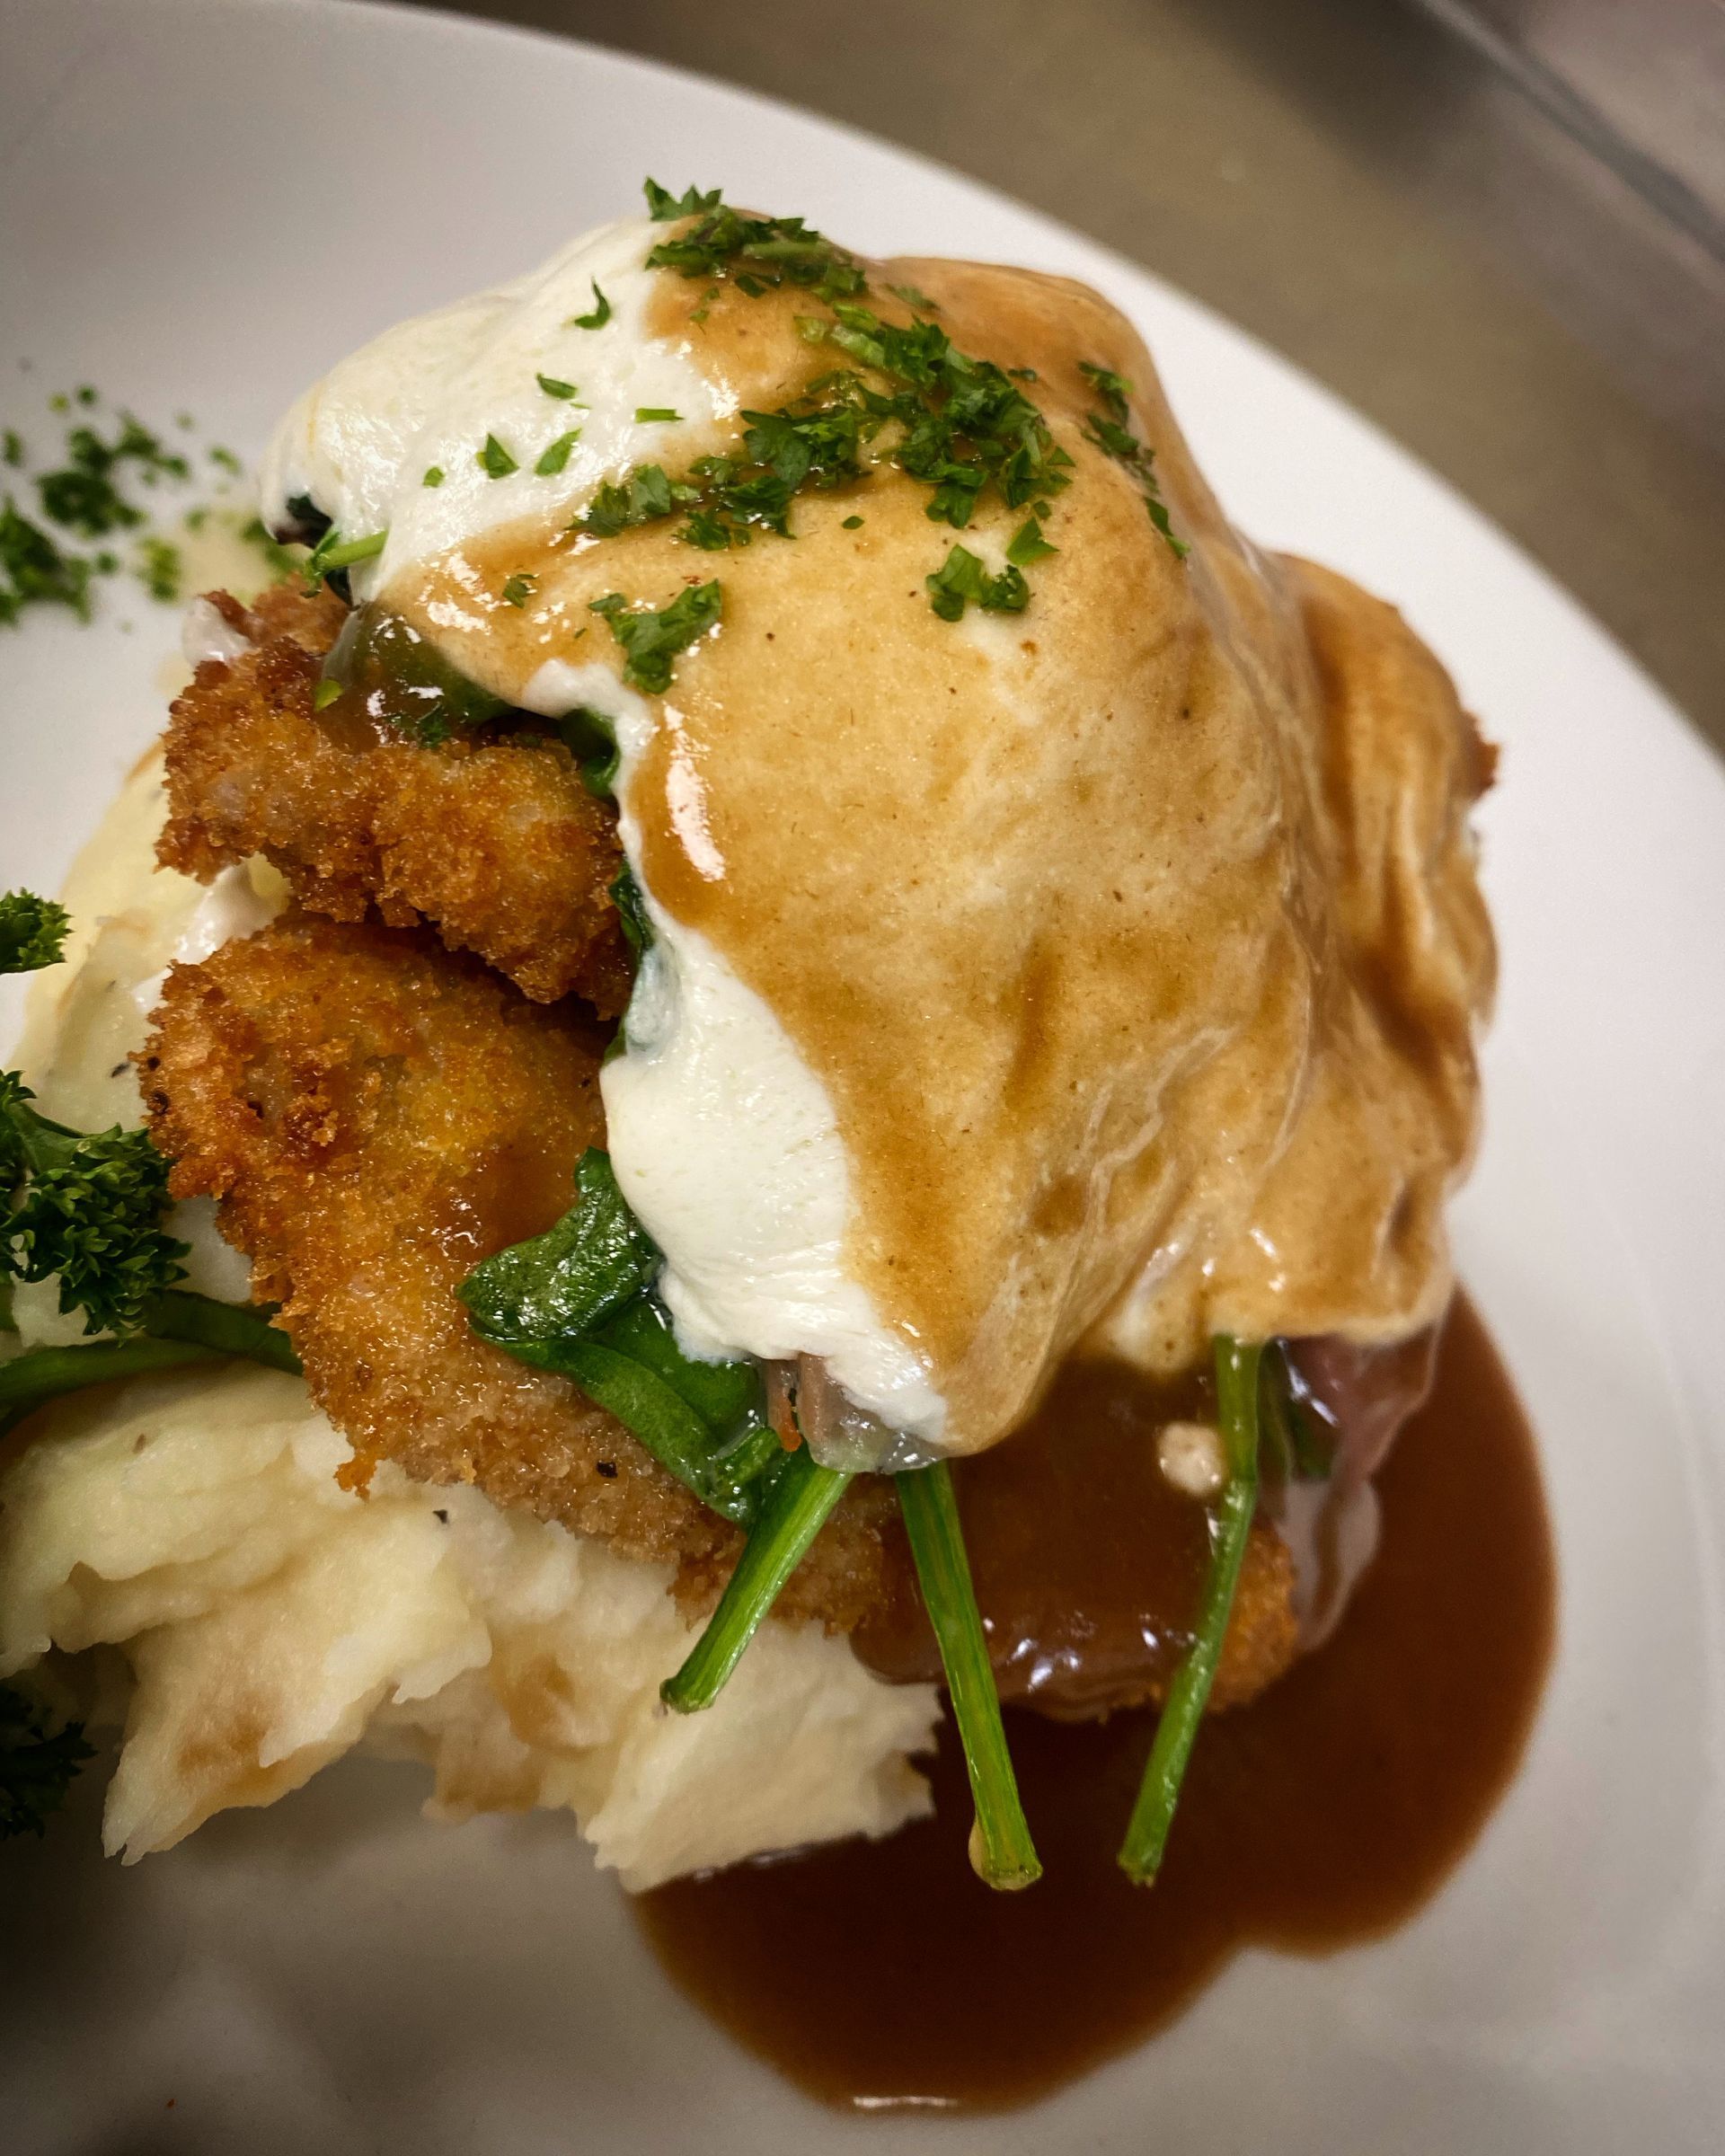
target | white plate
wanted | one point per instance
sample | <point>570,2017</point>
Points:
<point>202,204</point>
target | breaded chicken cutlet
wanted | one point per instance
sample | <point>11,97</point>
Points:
<point>506,852</point>
<point>375,1116</point>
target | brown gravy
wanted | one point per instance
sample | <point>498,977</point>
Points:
<point>1088,1563</point>
<point>1325,1814</point>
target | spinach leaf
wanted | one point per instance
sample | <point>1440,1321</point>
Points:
<point>579,1301</point>
<point>566,1281</point>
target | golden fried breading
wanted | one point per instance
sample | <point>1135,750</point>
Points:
<point>376,1115</point>
<point>499,845</point>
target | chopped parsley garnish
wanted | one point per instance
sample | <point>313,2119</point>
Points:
<point>1119,442</point>
<point>645,495</point>
<point>599,317</point>
<point>83,495</point>
<point>852,523</point>
<point>160,569</point>
<point>1107,430</point>
<point>32,932</point>
<point>816,445</point>
<point>967,428</point>
<point>325,694</point>
<point>652,638</point>
<point>519,588</point>
<point>663,205</point>
<point>553,387</point>
<point>655,415</point>
<point>434,476</point>
<point>494,460</point>
<point>1028,545</point>
<point>912,297</point>
<point>225,458</point>
<point>758,254</point>
<point>1113,389</point>
<point>35,571</point>
<point>724,498</point>
<point>555,455</point>
<point>962,426</point>
<point>963,577</point>
<point>954,423</point>
<point>11,447</point>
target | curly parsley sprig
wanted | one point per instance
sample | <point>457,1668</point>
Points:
<point>86,1208</point>
<point>32,933</point>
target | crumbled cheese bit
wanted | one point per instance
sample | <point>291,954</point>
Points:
<point>1190,1454</point>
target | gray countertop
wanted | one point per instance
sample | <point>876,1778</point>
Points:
<point>1430,233</point>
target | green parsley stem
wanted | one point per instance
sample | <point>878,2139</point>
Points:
<point>1001,1849</point>
<point>30,1381</point>
<point>349,550</point>
<point>803,1494</point>
<point>179,1329</point>
<point>223,1327</point>
<point>1147,1835</point>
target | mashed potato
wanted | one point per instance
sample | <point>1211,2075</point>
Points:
<point>273,1620</point>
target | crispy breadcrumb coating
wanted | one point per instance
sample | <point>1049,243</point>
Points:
<point>497,843</point>
<point>375,1116</point>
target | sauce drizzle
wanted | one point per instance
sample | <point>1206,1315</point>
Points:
<point>1326,1813</point>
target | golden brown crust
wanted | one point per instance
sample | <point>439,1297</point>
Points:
<point>375,1116</point>
<point>1263,1634</point>
<point>498,844</point>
